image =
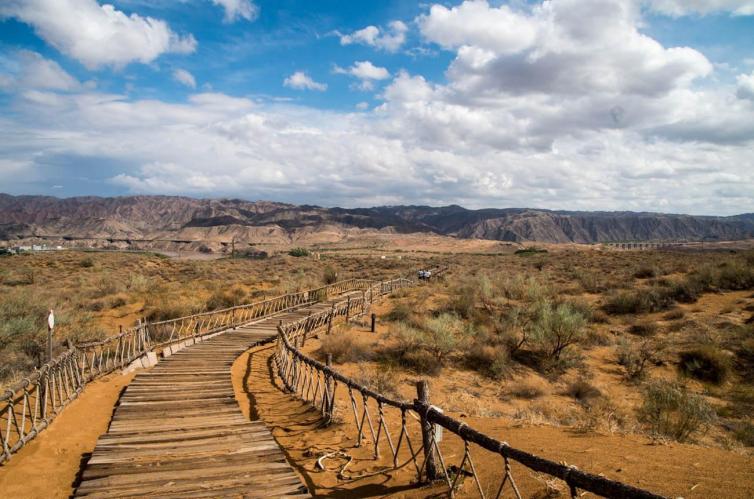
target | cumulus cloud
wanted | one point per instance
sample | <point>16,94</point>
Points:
<point>390,39</point>
<point>26,69</point>
<point>184,77</point>
<point>745,86</point>
<point>238,9</point>
<point>366,72</point>
<point>583,111</point>
<point>301,81</point>
<point>98,35</point>
<point>686,7</point>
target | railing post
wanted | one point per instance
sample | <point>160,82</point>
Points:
<point>330,319</point>
<point>348,310</point>
<point>374,319</point>
<point>330,398</point>
<point>422,395</point>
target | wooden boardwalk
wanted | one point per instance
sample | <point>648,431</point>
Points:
<point>178,430</point>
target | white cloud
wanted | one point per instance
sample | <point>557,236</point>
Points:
<point>238,9</point>
<point>366,72</point>
<point>745,86</point>
<point>588,113</point>
<point>26,70</point>
<point>476,23</point>
<point>184,77</point>
<point>390,39</point>
<point>686,7</point>
<point>301,81</point>
<point>98,35</point>
<point>362,106</point>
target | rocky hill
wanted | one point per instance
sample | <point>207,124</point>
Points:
<point>183,218</point>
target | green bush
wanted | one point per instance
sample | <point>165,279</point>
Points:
<point>442,334</point>
<point>299,252</point>
<point>330,275</point>
<point>531,250</point>
<point>706,363</point>
<point>635,359</point>
<point>86,263</point>
<point>670,410</point>
<point>736,275</point>
<point>555,328</point>
<point>641,301</point>
<point>490,360</point>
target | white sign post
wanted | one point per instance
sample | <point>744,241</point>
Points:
<point>50,330</point>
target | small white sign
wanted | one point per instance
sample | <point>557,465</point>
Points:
<point>51,320</point>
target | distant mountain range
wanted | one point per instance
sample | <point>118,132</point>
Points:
<point>184,218</point>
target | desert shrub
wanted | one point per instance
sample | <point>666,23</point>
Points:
<point>203,248</point>
<point>555,328</point>
<point>407,338</point>
<point>401,311</point>
<point>95,306</point>
<point>744,433</point>
<point>22,333</point>
<point>670,410</point>
<point>635,359</point>
<point>582,391</point>
<point>525,390</point>
<point>582,307</point>
<point>225,298</point>
<point>646,271</point>
<point>736,275</point>
<point>117,301</point>
<point>139,283</point>
<point>643,328</point>
<point>86,263</point>
<point>329,275</point>
<point>592,282</point>
<point>684,291</point>
<point>343,347</point>
<point>531,250</point>
<point>674,315</point>
<point>163,308</point>
<point>421,362</point>
<point>490,360</point>
<point>521,287</point>
<point>706,363</point>
<point>299,252</point>
<point>382,380</point>
<point>442,334</point>
<point>640,301</point>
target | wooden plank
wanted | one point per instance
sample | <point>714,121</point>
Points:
<point>178,430</point>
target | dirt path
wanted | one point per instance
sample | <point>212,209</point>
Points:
<point>674,470</point>
<point>48,465</point>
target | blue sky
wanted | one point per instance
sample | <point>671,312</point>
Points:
<point>570,104</point>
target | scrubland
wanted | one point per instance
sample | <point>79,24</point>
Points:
<point>659,344</point>
<point>95,293</point>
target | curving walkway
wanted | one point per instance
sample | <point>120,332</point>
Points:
<point>178,430</point>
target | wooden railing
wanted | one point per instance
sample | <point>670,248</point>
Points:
<point>28,407</point>
<point>411,436</point>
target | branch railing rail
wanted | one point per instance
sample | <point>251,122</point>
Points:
<point>28,406</point>
<point>412,437</point>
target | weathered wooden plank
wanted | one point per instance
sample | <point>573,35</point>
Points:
<point>178,430</point>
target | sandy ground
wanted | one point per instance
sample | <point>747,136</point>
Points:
<point>47,466</point>
<point>674,469</point>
